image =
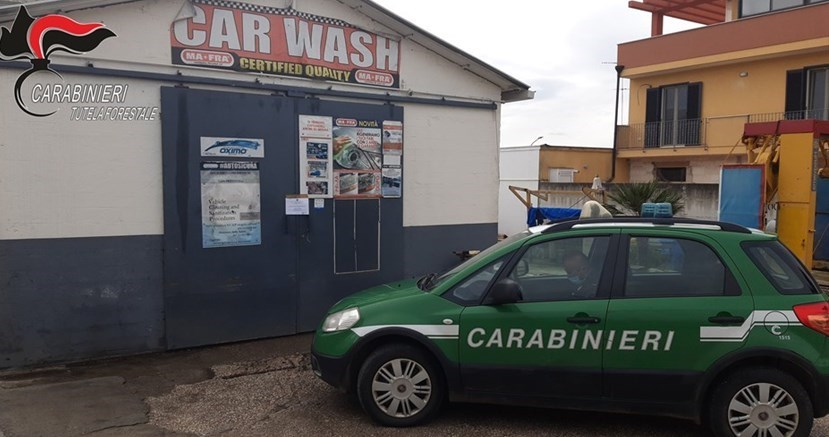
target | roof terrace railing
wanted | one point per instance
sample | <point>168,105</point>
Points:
<point>714,131</point>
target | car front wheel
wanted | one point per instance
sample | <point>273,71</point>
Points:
<point>760,402</point>
<point>400,385</point>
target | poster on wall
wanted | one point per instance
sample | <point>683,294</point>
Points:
<point>358,158</point>
<point>232,147</point>
<point>392,185</point>
<point>259,39</point>
<point>230,203</point>
<point>315,169</point>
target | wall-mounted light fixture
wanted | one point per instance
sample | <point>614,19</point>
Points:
<point>744,74</point>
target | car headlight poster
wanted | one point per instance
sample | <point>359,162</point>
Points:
<point>346,157</point>
<point>358,157</point>
<point>230,202</point>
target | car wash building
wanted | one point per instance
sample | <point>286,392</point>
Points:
<point>193,172</point>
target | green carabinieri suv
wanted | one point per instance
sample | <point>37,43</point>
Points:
<point>702,320</point>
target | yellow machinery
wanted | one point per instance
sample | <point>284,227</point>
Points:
<point>795,157</point>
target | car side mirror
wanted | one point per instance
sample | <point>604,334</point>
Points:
<point>503,292</point>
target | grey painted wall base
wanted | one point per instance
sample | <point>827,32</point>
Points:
<point>429,248</point>
<point>80,298</point>
<point>77,298</point>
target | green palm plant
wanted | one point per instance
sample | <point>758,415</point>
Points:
<point>627,199</point>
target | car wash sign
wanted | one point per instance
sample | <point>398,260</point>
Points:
<point>283,42</point>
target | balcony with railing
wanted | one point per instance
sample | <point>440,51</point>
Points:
<point>716,135</point>
<point>674,133</point>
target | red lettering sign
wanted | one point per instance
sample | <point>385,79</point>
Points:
<point>283,42</point>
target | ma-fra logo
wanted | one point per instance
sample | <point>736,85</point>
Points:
<point>37,38</point>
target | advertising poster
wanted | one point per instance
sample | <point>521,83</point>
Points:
<point>392,185</point>
<point>233,147</point>
<point>258,39</point>
<point>358,158</point>
<point>315,158</point>
<point>230,203</point>
<point>392,182</point>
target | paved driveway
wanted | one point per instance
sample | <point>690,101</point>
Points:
<point>292,402</point>
<point>260,388</point>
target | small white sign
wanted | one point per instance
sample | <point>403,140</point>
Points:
<point>233,147</point>
<point>391,159</point>
<point>319,203</point>
<point>296,206</point>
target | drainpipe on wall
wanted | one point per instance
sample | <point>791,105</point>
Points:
<point>619,69</point>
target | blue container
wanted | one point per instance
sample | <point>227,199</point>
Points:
<point>657,210</point>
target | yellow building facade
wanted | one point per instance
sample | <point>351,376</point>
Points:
<point>692,92</point>
<point>575,164</point>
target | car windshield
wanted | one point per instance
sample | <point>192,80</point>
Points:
<point>437,279</point>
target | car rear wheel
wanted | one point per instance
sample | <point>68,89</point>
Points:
<point>400,385</point>
<point>760,402</point>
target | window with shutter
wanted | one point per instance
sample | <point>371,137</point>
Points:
<point>807,93</point>
<point>673,115</point>
<point>817,94</point>
<point>795,94</point>
<point>652,117</point>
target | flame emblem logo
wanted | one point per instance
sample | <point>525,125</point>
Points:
<point>37,38</point>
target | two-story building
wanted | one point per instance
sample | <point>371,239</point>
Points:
<point>691,92</point>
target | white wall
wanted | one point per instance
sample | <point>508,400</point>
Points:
<point>700,170</point>
<point>450,172</point>
<point>641,171</point>
<point>81,179</point>
<point>518,167</point>
<point>519,163</point>
<point>62,178</point>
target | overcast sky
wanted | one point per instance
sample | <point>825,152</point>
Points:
<point>565,51</point>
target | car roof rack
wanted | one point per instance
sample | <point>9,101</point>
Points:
<point>666,221</point>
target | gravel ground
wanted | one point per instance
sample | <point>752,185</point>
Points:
<point>282,397</point>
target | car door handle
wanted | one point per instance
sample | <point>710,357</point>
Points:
<point>582,320</point>
<point>727,320</point>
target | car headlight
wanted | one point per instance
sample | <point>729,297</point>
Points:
<point>341,320</point>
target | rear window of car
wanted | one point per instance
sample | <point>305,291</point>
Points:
<point>780,267</point>
<point>676,267</point>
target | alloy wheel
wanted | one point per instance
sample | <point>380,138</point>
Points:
<point>763,410</point>
<point>401,388</point>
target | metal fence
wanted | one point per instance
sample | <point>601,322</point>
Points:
<point>673,133</point>
<point>810,114</point>
<point>712,131</point>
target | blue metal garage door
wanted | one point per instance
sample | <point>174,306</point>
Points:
<point>282,280</point>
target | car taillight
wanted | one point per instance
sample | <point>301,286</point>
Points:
<point>814,315</point>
